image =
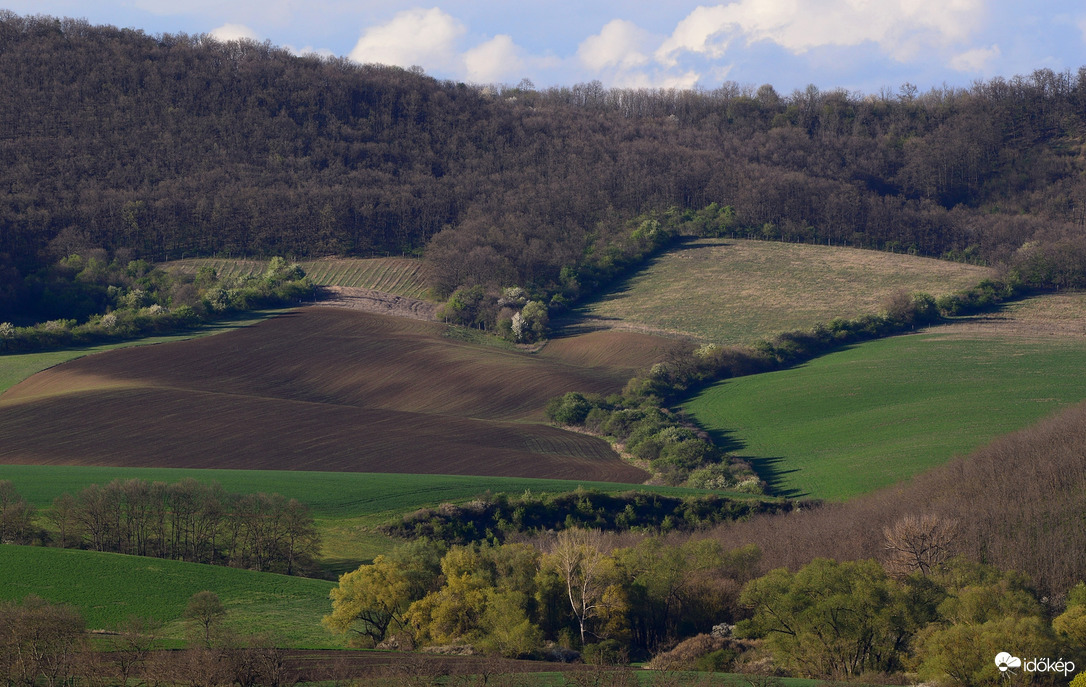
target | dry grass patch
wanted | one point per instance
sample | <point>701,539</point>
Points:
<point>1050,317</point>
<point>740,291</point>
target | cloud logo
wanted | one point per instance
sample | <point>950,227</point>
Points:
<point>1005,661</point>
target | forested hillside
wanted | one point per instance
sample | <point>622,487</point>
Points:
<point>172,146</point>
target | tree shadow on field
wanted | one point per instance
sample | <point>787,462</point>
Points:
<point>579,321</point>
<point>768,469</point>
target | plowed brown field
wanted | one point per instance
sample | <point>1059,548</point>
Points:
<point>321,389</point>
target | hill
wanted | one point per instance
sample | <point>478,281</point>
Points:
<point>167,146</point>
<point>880,412</point>
<point>315,389</point>
<point>738,291</point>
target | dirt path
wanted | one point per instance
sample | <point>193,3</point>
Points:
<point>373,301</point>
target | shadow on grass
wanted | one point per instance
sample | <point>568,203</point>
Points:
<point>578,321</point>
<point>768,469</point>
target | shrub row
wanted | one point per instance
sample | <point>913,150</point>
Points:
<point>495,518</point>
<point>677,451</point>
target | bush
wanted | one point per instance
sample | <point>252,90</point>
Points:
<point>609,652</point>
<point>570,409</point>
<point>701,652</point>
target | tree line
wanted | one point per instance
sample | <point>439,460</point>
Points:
<point>691,604</point>
<point>174,145</point>
<point>574,592</point>
<point>186,520</point>
<point>81,300</point>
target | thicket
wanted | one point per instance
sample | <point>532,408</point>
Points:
<point>695,605</point>
<point>851,620</point>
<point>187,521</point>
<point>522,315</point>
<point>573,592</point>
<point>177,145</point>
<point>496,518</point>
<point>96,299</point>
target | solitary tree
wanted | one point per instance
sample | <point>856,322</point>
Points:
<point>205,614</point>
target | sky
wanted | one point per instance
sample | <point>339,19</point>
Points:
<point>862,46</point>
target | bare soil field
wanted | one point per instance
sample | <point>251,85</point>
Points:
<point>315,389</point>
<point>610,350</point>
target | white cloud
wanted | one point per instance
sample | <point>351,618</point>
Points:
<point>427,38</point>
<point>976,60</point>
<point>620,56</point>
<point>620,44</point>
<point>901,28</point>
<point>234,32</point>
<point>492,61</point>
<point>656,79</point>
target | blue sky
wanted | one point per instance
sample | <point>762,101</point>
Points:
<point>864,46</point>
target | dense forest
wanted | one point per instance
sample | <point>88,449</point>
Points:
<point>174,146</point>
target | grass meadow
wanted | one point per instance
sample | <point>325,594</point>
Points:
<point>107,588</point>
<point>737,291</point>
<point>877,413</point>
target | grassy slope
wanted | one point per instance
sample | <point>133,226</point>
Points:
<point>109,587</point>
<point>739,291</point>
<point>862,418</point>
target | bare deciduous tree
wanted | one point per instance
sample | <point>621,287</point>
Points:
<point>918,542</point>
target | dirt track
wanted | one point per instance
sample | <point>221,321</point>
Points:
<point>369,300</point>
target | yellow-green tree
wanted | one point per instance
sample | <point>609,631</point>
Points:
<point>370,601</point>
<point>509,631</point>
<point>830,619</point>
<point>453,612</point>
<point>986,612</point>
<point>1070,626</point>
